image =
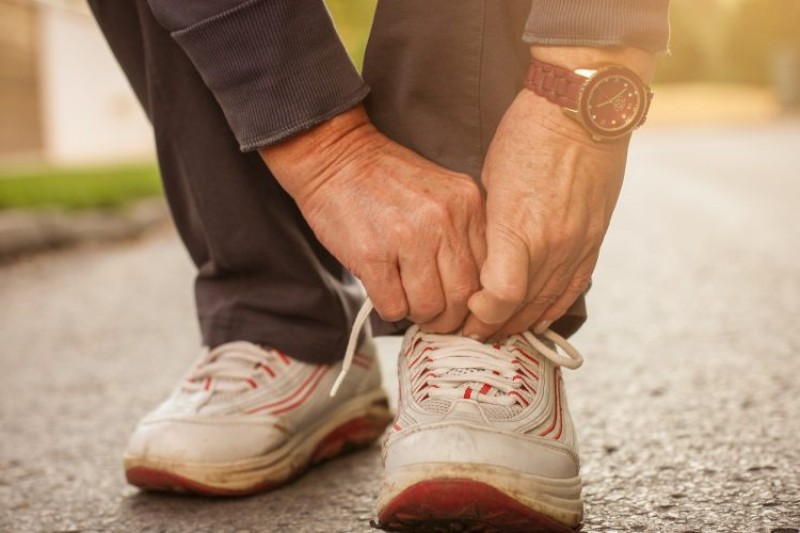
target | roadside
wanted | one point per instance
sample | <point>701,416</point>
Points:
<point>44,209</point>
<point>24,232</point>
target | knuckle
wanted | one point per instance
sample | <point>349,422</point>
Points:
<point>562,236</point>
<point>509,292</point>
<point>461,293</point>
<point>471,194</point>
<point>425,311</point>
<point>435,211</point>
<point>579,284</point>
<point>369,252</point>
<point>399,229</point>
<point>392,312</point>
<point>545,299</point>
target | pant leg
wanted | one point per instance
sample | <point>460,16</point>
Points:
<point>441,75</point>
<point>262,275</point>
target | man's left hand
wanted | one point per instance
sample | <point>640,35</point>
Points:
<point>551,191</point>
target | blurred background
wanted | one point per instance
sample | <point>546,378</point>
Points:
<point>72,135</point>
<point>687,405</point>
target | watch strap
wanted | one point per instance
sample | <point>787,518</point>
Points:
<point>558,84</point>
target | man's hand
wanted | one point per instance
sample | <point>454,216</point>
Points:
<point>411,231</point>
<point>551,191</point>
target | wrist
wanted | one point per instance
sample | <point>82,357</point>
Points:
<point>642,62</point>
<point>305,162</point>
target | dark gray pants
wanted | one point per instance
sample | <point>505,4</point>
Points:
<point>442,74</point>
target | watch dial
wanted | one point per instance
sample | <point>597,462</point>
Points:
<point>613,104</point>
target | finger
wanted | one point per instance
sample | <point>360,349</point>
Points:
<point>476,235</point>
<point>419,274</point>
<point>385,288</point>
<point>459,277</point>
<point>539,302</point>
<point>504,281</point>
<point>577,286</point>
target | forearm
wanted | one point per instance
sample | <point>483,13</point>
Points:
<point>276,67</point>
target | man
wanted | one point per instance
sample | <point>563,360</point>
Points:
<point>467,181</point>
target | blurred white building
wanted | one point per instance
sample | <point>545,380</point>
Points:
<point>63,98</point>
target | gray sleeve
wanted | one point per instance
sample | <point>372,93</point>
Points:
<point>276,67</point>
<point>599,23</point>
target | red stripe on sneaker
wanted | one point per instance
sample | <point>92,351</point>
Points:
<point>303,398</point>
<point>207,384</point>
<point>526,355</point>
<point>468,393</point>
<point>293,395</point>
<point>556,416</point>
<point>284,357</point>
<point>268,370</point>
<point>518,395</point>
<point>486,388</point>
<point>525,370</point>
<point>560,409</point>
<point>423,352</point>
<point>252,383</point>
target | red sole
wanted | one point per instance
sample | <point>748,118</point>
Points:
<point>352,435</point>
<point>443,505</point>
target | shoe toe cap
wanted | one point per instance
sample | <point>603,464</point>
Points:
<point>204,440</point>
<point>463,443</point>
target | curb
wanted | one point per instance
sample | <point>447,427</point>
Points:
<point>30,231</point>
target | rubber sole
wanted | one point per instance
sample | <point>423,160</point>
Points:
<point>355,425</point>
<point>444,505</point>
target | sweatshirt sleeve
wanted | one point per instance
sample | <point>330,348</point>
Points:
<point>276,67</point>
<point>599,23</point>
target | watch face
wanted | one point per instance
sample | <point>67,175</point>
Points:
<point>613,102</point>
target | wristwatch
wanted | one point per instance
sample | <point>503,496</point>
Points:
<point>609,102</point>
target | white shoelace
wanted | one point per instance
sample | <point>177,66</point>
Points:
<point>229,367</point>
<point>456,352</point>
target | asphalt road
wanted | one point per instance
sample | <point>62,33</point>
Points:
<point>688,406</point>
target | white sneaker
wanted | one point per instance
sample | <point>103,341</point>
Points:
<point>483,440</point>
<point>248,419</point>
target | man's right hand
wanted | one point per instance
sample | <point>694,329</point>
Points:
<point>410,230</point>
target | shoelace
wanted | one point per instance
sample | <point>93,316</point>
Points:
<point>456,352</point>
<point>229,367</point>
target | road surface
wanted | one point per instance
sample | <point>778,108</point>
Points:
<point>688,406</point>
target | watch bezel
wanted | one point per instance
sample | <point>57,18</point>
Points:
<point>596,76</point>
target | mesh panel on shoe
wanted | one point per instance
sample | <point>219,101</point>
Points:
<point>493,412</point>
<point>435,406</point>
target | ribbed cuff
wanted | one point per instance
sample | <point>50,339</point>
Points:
<point>275,67</point>
<point>599,23</point>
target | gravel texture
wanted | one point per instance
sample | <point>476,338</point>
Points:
<point>688,406</point>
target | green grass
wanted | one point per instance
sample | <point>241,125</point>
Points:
<point>78,188</point>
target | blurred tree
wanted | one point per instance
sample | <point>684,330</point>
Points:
<point>730,40</point>
<point>353,19</point>
<point>698,31</point>
<point>760,32</point>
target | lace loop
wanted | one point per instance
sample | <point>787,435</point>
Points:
<point>454,351</point>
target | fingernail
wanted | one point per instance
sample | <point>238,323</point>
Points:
<point>542,326</point>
